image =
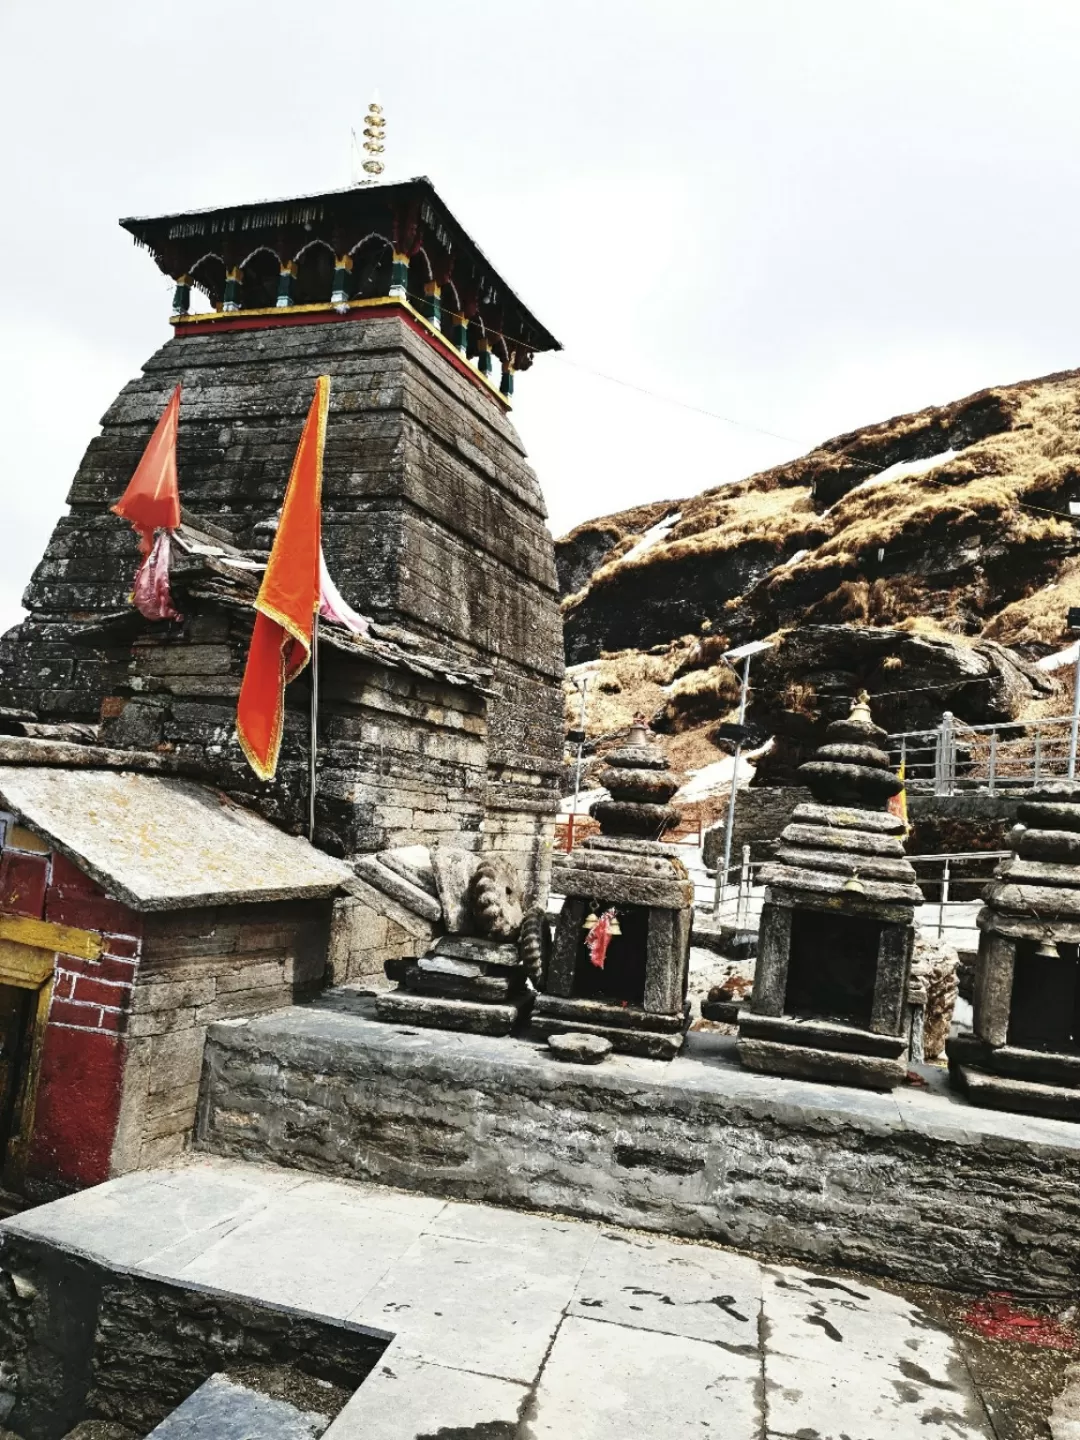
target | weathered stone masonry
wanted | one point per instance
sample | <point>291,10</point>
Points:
<point>432,520</point>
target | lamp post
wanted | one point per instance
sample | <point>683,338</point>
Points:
<point>745,653</point>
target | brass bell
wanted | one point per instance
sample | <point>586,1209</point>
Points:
<point>614,928</point>
<point>591,920</point>
<point>1048,950</point>
<point>853,885</point>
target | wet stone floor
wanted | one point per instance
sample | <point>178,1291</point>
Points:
<point>513,1326</point>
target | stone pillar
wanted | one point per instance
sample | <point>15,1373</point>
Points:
<point>433,303</point>
<point>233,285</point>
<point>285,284</point>
<point>771,969</point>
<point>342,271</point>
<point>182,295</point>
<point>993,986</point>
<point>399,276</point>
<point>890,986</point>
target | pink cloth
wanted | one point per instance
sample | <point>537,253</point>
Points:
<point>600,938</point>
<point>151,595</point>
<point>334,606</point>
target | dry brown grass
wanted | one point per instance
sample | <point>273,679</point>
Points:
<point>622,684</point>
<point>995,489</point>
<point>701,696</point>
<point>781,519</point>
<point>1041,617</point>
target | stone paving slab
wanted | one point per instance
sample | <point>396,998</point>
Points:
<point>605,1382</point>
<point>410,1398</point>
<point>220,1409</point>
<point>511,1326</point>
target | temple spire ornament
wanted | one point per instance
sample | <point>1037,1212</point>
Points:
<point>374,142</point>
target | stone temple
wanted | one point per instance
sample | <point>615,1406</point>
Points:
<point>127,923</point>
<point>433,521</point>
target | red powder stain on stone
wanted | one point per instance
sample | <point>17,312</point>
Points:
<point>997,1318</point>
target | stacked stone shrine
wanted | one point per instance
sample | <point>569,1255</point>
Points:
<point>1024,1053</point>
<point>837,926</point>
<point>624,878</point>
<point>476,977</point>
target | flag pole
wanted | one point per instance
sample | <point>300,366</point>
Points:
<point>314,724</point>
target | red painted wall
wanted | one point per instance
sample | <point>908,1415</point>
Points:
<point>82,1059</point>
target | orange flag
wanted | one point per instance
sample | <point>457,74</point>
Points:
<point>152,499</point>
<point>288,599</point>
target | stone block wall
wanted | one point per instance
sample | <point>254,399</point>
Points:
<point>199,966</point>
<point>433,520</point>
<point>402,756</point>
<point>369,928</point>
<point>908,1185</point>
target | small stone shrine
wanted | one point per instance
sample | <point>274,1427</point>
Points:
<point>626,983</point>
<point>1024,1053</point>
<point>473,978</point>
<point>837,926</point>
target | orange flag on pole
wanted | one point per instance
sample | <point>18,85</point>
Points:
<point>152,499</point>
<point>288,599</point>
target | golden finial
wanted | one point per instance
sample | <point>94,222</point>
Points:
<point>860,710</point>
<point>374,138</point>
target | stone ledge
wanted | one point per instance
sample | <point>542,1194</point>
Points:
<point>784,1167</point>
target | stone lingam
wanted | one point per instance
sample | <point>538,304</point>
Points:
<point>837,926</point>
<point>1024,1053</point>
<point>619,963</point>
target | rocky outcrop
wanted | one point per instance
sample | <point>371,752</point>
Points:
<point>810,677</point>
<point>951,524</point>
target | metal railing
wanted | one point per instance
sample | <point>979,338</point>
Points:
<point>952,885</point>
<point>738,894</point>
<point>1006,755</point>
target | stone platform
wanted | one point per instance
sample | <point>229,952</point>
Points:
<point>915,1184</point>
<point>490,1323</point>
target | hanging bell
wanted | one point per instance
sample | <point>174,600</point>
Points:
<point>614,928</point>
<point>853,885</point>
<point>1048,950</point>
<point>591,921</point>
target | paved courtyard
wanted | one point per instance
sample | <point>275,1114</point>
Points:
<point>510,1326</point>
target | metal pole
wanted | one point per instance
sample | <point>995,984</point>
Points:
<point>577,767</point>
<point>744,890</point>
<point>314,724</point>
<point>944,898</point>
<point>993,760</point>
<point>734,780</point>
<point>1038,753</point>
<point>1075,716</point>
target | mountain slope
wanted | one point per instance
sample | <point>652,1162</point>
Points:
<point>951,524</point>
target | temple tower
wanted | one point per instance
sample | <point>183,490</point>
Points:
<point>433,520</point>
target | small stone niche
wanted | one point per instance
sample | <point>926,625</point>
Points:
<point>1024,1052</point>
<point>633,993</point>
<point>837,927</point>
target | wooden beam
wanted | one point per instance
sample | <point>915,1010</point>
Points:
<point>25,966</point>
<point>44,935</point>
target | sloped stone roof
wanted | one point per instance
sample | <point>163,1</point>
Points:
<point>158,842</point>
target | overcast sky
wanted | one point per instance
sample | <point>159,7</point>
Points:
<point>804,215</point>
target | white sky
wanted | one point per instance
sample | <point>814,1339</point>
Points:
<point>803,214</point>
